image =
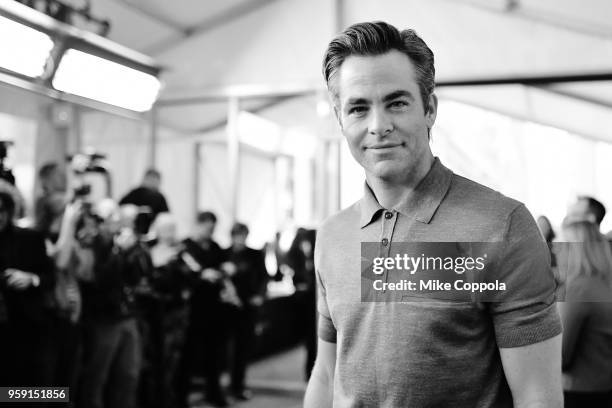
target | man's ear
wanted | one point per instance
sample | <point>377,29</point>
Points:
<point>337,114</point>
<point>432,110</point>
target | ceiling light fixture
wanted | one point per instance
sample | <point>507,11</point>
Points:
<point>41,54</point>
<point>93,77</point>
<point>23,49</point>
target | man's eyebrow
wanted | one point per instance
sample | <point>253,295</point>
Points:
<point>398,94</point>
<point>357,101</point>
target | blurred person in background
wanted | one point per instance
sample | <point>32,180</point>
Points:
<point>20,206</point>
<point>112,342</point>
<point>210,303</point>
<point>548,233</point>
<point>148,199</point>
<point>72,263</point>
<point>247,271</point>
<point>300,258</point>
<point>546,229</point>
<point>172,285</point>
<point>587,315</point>
<point>589,208</point>
<point>50,205</point>
<point>26,275</point>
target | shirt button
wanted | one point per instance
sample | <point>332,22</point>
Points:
<point>385,242</point>
<point>388,215</point>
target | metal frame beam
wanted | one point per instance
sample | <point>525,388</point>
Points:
<point>251,92</point>
<point>530,80</point>
<point>209,23</point>
<point>233,153</point>
<point>513,9</point>
<point>576,96</point>
<point>152,15</point>
<point>223,122</point>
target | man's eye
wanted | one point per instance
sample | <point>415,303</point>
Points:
<point>398,104</point>
<point>357,110</point>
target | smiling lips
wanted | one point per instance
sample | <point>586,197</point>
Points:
<point>384,146</point>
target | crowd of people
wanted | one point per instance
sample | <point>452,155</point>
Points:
<point>582,261</point>
<point>105,299</point>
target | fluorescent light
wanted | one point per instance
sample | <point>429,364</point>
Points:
<point>106,81</point>
<point>23,49</point>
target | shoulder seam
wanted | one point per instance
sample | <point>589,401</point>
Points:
<point>509,220</point>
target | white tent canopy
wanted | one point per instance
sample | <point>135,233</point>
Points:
<point>210,48</point>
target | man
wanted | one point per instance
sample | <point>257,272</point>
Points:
<point>301,259</point>
<point>208,327</point>
<point>428,353</point>
<point>247,270</point>
<point>26,276</point>
<point>111,265</point>
<point>588,207</point>
<point>50,205</point>
<point>148,198</point>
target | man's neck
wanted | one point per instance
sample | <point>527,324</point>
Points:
<point>391,192</point>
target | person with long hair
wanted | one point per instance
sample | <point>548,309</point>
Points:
<point>587,315</point>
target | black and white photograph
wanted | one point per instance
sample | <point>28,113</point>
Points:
<point>306,203</point>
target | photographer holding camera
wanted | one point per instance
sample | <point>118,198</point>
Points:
<point>109,263</point>
<point>113,358</point>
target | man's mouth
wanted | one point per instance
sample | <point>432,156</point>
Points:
<point>384,146</point>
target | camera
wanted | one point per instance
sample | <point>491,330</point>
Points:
<point>82,191</point>
<point>87,169</point>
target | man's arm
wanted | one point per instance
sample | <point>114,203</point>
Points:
<point>320,391</point>
<point>534,374</point>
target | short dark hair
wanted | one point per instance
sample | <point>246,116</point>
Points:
<point>239,229</point>
<point>47,170</point>
<point>8,202</point>
<point>206,216</point>
<point>377,38</point>
<point>152,173</point>
<point>595,207</point>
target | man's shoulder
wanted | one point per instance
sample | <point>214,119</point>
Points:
<point>341,222</point>
<point>28,235</point>
<point>471,194</point>
<point>253,251</point>
<point>130,195</point>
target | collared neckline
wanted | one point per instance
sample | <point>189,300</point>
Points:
<point>423,202</point>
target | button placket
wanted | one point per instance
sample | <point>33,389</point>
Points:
<point>388,225</point>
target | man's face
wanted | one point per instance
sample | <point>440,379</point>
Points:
<point>204,230</point>
<point>88,231</point>
<point>382,115</point>
<point>56,181</point>
<point>239,240</point>
<point>152,182</point>
<point>60,180</point>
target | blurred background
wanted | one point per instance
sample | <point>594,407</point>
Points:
<point>226,101</point>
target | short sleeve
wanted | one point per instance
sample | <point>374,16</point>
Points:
<point>326,329</point>
<point>525,313</point>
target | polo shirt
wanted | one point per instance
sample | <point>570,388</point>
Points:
<point>432,353</point>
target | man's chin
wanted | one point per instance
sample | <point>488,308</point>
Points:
<point>388,171</point>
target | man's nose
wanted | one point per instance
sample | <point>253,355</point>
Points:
<point>380,122</point>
